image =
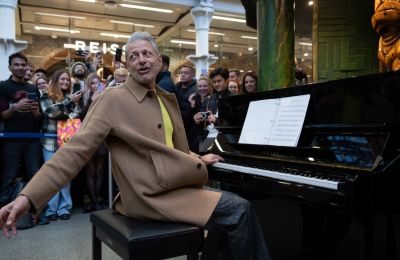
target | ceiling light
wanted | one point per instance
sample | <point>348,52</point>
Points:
<point>214,33</point>
<point>305,43</point>
<point>69,46</point>
<point>147,8</point>
<point>305,54</point>
<point>310,3</point>
<point>216,45</point>
<point>89,1</point>
<point>183,42</point>
<point>115,35</point>
<point>249,37</point>
<point>55,29</point>
<point>250,48</point>
<point>229,19</point>
<point>61,15</point>
<point>130,23</point>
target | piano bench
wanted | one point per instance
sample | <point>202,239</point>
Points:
<point>143,239</point>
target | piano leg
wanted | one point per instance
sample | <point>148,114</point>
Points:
<point>322,232</point>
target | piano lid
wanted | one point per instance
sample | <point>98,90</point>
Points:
<point>352,122</point>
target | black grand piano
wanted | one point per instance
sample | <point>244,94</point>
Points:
<point>346,161</point>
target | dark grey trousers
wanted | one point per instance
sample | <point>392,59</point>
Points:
<point>234,231</point>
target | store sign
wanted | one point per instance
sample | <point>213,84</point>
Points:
<point>94,47</point>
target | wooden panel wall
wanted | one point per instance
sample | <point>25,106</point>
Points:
<point>344,41</point>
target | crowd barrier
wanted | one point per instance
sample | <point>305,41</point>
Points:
<point>45,135</point>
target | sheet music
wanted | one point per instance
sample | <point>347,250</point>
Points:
<point>275,121</point>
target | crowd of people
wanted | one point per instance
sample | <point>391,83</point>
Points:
<point>68,94</point>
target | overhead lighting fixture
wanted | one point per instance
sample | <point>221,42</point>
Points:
<point>115,35</point>
<point>38,28</point>
<point>88,1</point>
<point>61,15</point>
<point>183,42</point>
<point>249,37</point>
<point>147,8</point>
<point>214,33</point>
<point>305,43</point>
<point>216,45</point>
<point>229,19</point>
<point>306,54</point>
<point>250,48</point>
<point>310,3</point>
<point>135,24</point>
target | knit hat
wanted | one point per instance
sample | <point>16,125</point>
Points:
<point>78,63</point>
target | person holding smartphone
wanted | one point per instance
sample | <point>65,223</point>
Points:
<point>19,111</point>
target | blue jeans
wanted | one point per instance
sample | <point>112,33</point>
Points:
<point>61,202</point>
<point>13,152</point>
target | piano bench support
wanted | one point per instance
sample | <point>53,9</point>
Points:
<point>140,239</point>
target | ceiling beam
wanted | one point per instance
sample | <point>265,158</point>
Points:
<point>220,6</point>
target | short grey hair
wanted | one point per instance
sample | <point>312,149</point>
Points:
<point>142,36</point>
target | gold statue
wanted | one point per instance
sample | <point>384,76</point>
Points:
<point>386,22</point>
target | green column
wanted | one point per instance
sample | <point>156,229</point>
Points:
<point>275,27</point>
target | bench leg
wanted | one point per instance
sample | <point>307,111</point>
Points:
<point>96,245</point>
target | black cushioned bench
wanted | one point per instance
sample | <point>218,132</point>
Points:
<point>141,239</point>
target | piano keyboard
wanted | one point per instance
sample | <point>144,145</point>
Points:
<point>309,180</point>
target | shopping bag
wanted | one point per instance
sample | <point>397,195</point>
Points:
<point>66,129</point>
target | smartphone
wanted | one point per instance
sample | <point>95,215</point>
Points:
<point>31,96</point>
<point>99,86</point>
<point>76,87</point>
<point>118,54</point>
<point>99,55</point>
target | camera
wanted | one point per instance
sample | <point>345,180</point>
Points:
<point>79,52</point>
<point>204,115</point>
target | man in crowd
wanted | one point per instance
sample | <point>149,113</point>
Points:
<point>219,78</point>
<point>19,110</point>
<point>164,79</point>
<point>40,73</point>
<point>158,177</point>
<point>234,75</point>
<point>79,72</point>
<point>29,73</point>
<point>185,88</point>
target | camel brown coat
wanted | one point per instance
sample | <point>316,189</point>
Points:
<point>155,181</point>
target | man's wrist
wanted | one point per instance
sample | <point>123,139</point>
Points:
<point>13,107</point>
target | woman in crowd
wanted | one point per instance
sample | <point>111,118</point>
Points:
<point>58,104</point>
<point>96,166</point>
<point>203,108</point>
<point>41,84</point>
<point>249,83</point>
<point>234,86</point>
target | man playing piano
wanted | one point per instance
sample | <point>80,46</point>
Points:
<point>158,177</point>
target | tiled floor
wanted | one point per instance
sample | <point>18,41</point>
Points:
<point>69,240</point>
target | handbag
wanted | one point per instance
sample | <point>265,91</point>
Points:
<point>66,129</point>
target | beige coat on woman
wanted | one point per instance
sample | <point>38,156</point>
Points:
<point>155,181</point>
